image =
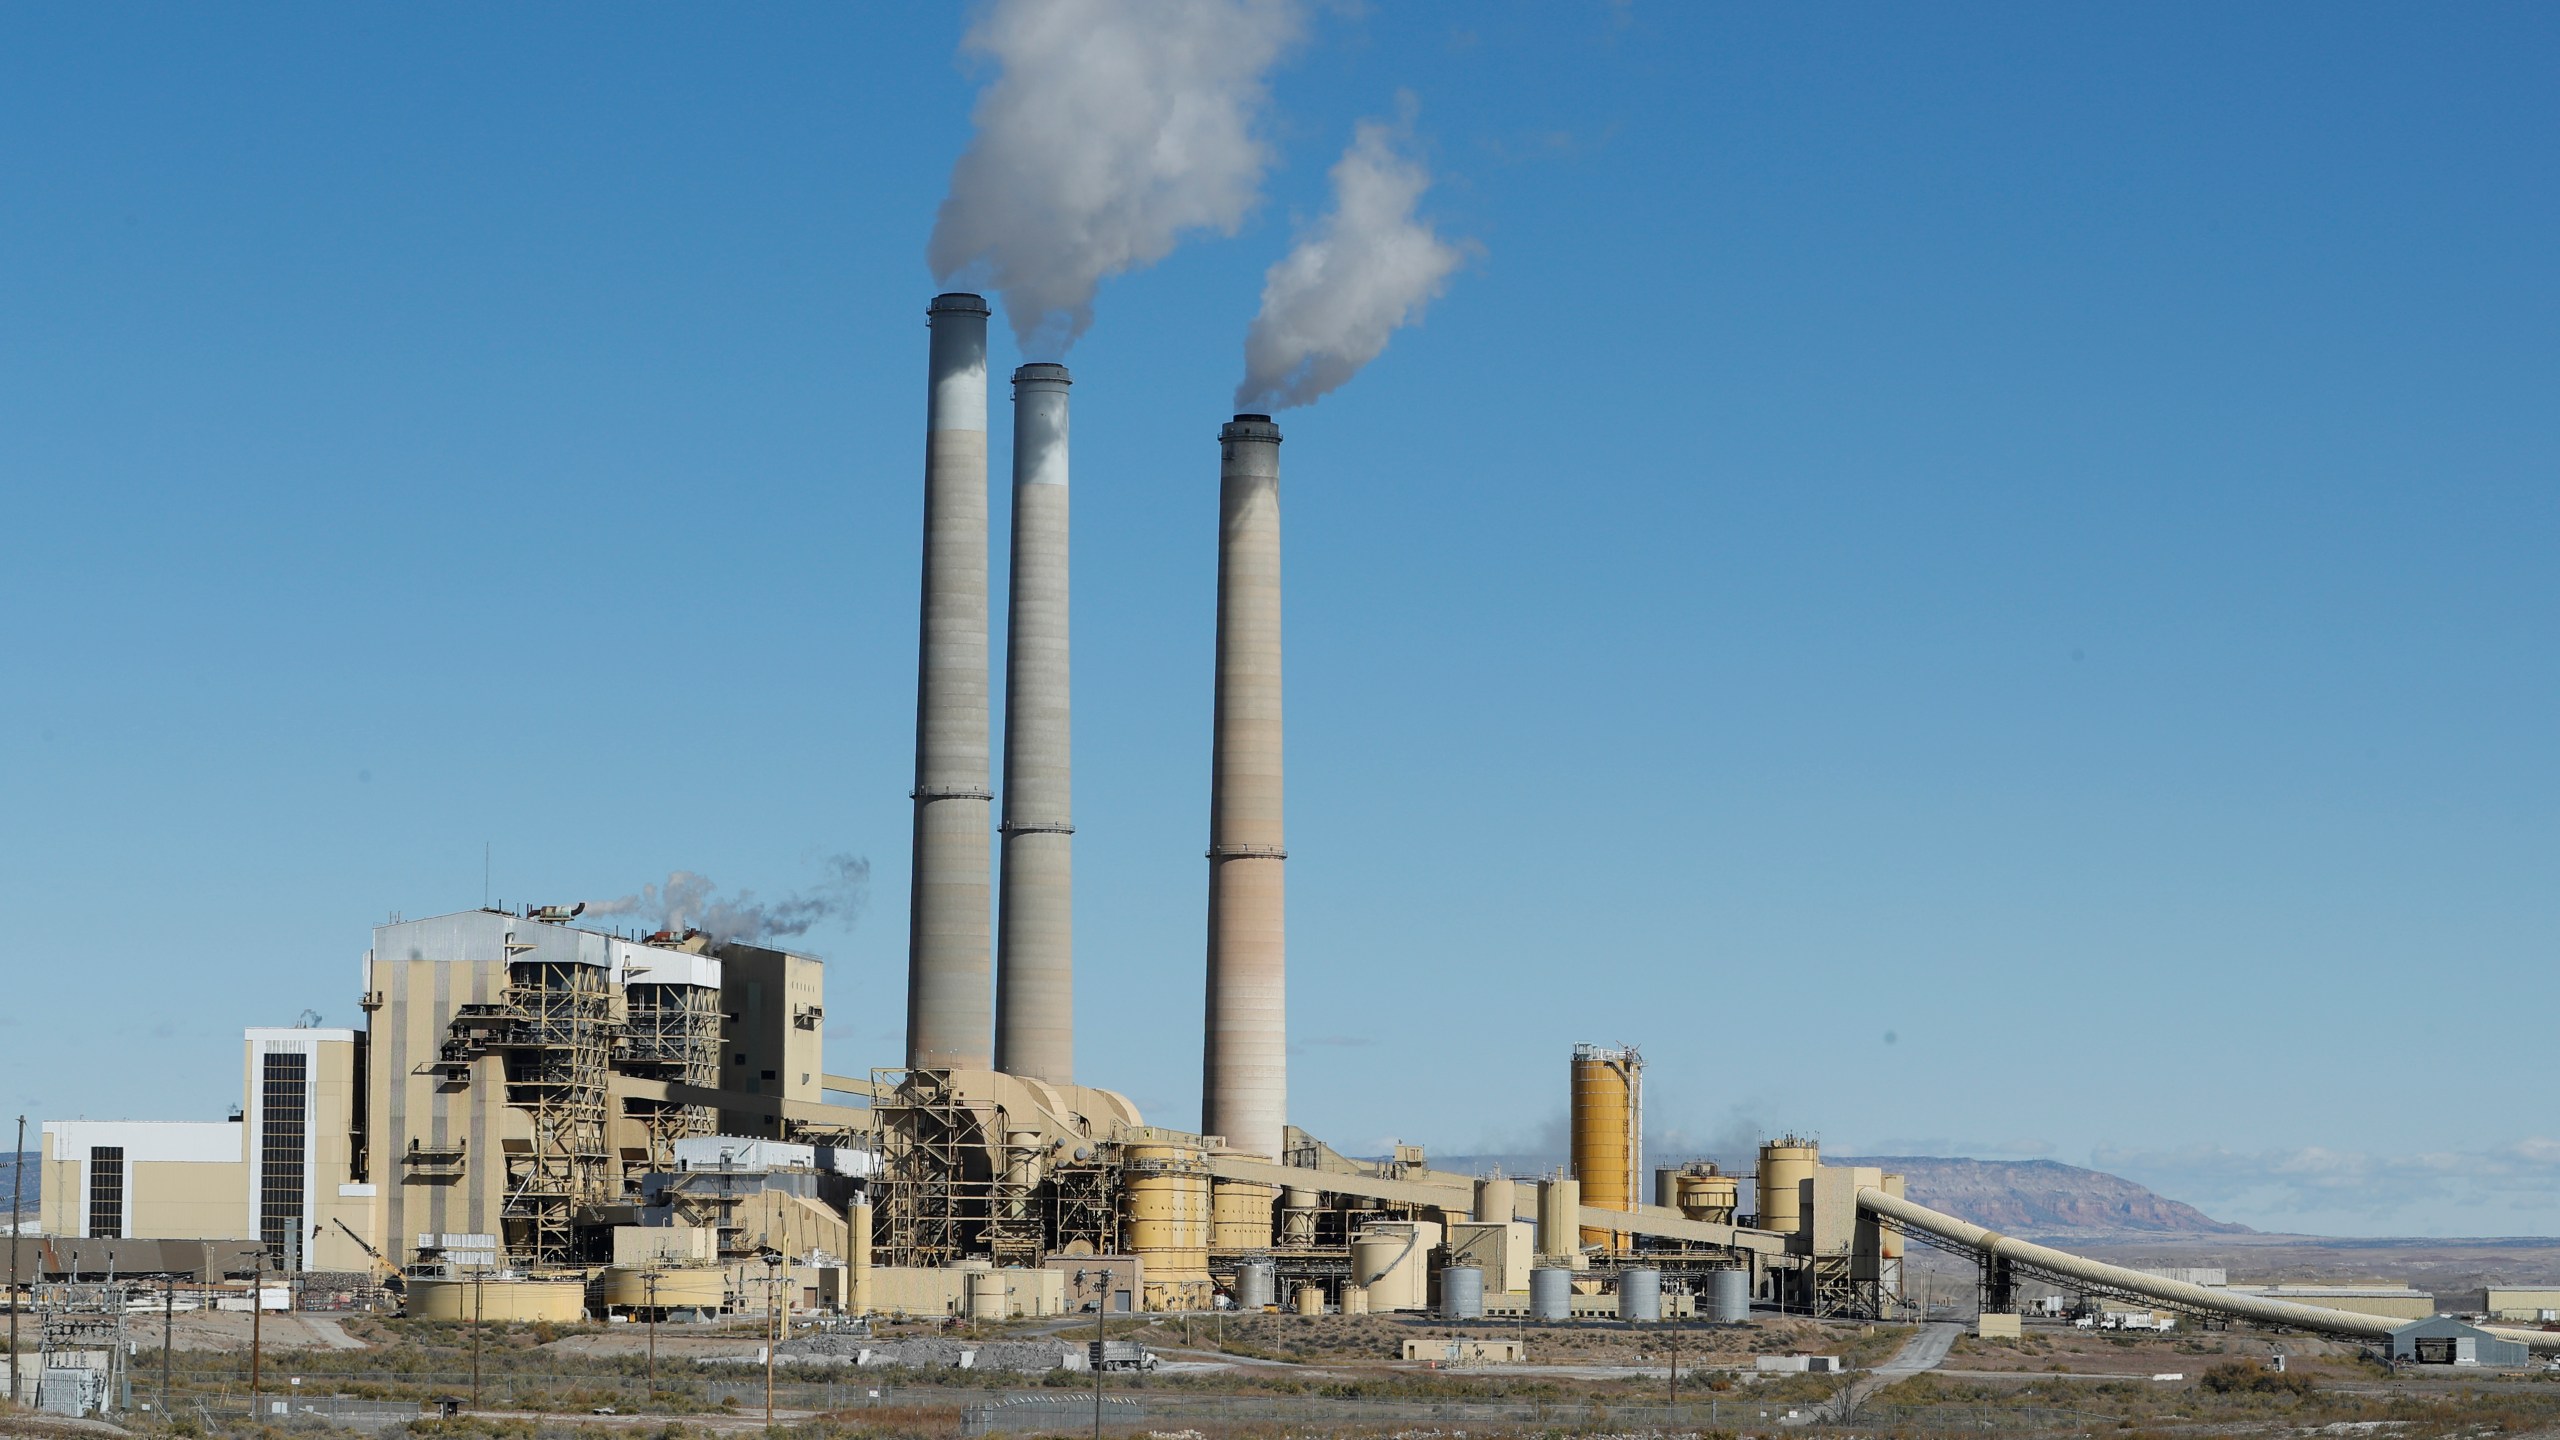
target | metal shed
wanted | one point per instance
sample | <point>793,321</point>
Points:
<point>2448,1340</point>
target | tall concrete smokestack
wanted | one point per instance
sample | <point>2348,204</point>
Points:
<point>1245,1080</point>
<point>947,962</point>
<point>1035,908</point>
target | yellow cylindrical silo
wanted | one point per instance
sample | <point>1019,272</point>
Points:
<point>639,1287</point>
<point>1355,1299</point>
<point>1559,1228</point>
<point>1494,1201</point>
<point>1608,1135</point>
<point>463,1299</point>
<point>1239,1216</point>
<point>1785,1164</point>
<point>1168,1198</point>
<point>1708,1196</point>
<point>857,1260</point>
<point>1310,1298</point>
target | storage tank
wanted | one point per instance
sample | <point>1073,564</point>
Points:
<point>990,1296</point>
<point>1254,1285</point>
<point>629,1287</point>
<point>1239,1216</point>
<point>1550,1293</point>
<point>1707,1195</point>
<point>1559,1230</point>
<point>1167,1187</point>
<point>1393,1261</point>
<point>1495,1200</point>
<point>1728,1296</point>
<point>1310,1298</point>
<point>1639,1294</point>
<point>1355,1299</point>
<point>1608,1134</point>
<point>1785,1164</point>
<point>1462,1293</point>
<point>439,1299</point>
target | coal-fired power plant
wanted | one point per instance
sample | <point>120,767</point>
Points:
<point>1035,909</point>
<point>1244,1085</point>
<point>948,1010</point>
<point>537,1119</point>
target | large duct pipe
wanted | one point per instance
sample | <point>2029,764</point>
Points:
<point>1035,906</point>
<point>1245,1075</point>
<point>948,1002</point>
<point>2210,1299</point>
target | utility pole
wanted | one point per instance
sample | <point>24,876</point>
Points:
<point>476,1277</point>
<point>17,1188</point>
<point>257,1317</point>
<point>168,1317</point>
<point>652,1277</point>
<point>1675,1361</point>
<point>1101,1299</point>
<point>772,1305</point>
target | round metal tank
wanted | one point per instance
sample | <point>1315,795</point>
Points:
<point>1550,1293</point>
<point>1355,1299</point>
<point>1394,1265</point>
<point>1559,1233</point>
<point>1785,1164</point>
<point>628,1287</point>
<point>1167,1190</point>
<point>1608,1134</point>
<point>1708,1197</point>
<point>1889,1238</point>
<point>1462,1293</point>
<point>1495,1201</point>
<point>1310,1298</point>
<point>1728,1297</point>
<point>437,1299</point>
<point>1254,1285</point>
<point>990,1296</point>
<point>1639,1294</point>
<point>1240,1216</point>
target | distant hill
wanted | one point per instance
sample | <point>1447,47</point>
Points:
<point>2042,1197</point>
<point>2019,1197</point>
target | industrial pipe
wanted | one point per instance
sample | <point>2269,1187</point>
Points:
<point>2175,1292</point>
<point>1035,899</point>
<point>1245,1060</point>
<point>949,1007</point>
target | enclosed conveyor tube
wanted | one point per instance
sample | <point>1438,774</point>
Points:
<point>2318,1318</point>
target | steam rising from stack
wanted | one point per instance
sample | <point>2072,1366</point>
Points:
<point>1111,130</point>
<point>1356,277</point>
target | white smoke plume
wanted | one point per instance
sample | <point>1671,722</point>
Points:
<point>1113,128</point>
<point>693,902</point>
<point>1358,275</point>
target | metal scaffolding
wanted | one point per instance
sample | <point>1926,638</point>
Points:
<point>671,1032</point>
<point>555,1032</point>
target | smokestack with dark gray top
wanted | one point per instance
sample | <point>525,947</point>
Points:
<point>1035,908</point>
<point>948,1009</point>
<point>1245,1077</point>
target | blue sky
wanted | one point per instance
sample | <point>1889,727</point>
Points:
<point>1973,579</point>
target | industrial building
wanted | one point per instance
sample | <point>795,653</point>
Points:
<point>552,1118</point>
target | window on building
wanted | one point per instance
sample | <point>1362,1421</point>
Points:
<point>106,1191</point>
<point>284,1125</point>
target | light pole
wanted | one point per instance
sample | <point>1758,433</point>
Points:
<point>257,1314</point>
<point>477,1275</point>
<point>1101,1299</point>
